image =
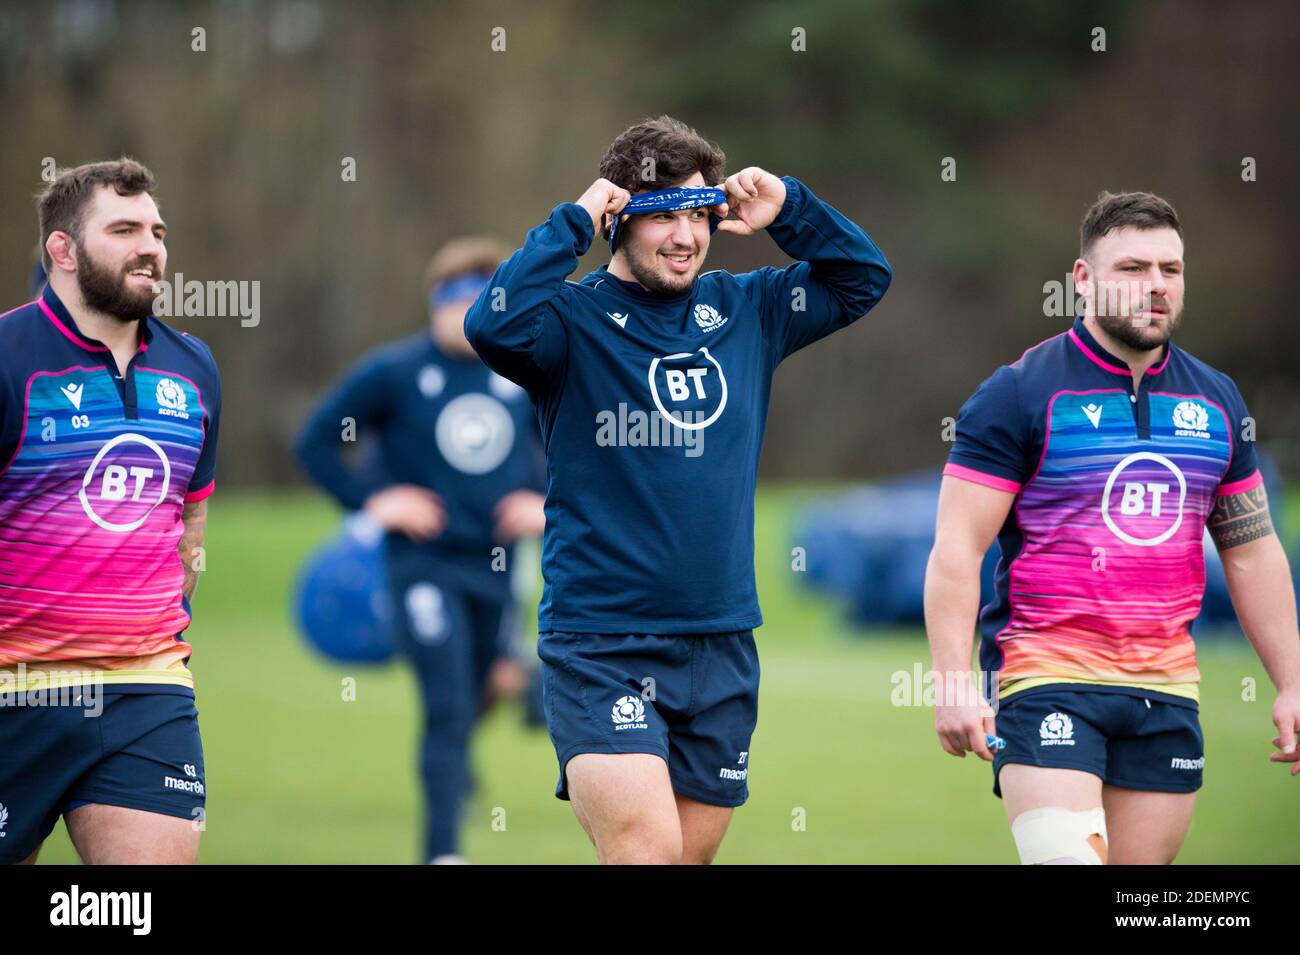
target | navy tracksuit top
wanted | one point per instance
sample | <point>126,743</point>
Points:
<point>652,409</point>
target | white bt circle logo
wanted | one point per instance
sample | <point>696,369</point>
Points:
<point>1145,493</point>
<point>133,483</point>
<point>695,388</point>
<point>475,433</point>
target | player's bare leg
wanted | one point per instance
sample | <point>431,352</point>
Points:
<point>115,835</point>
<point>625,802</point>
<point>703,827</point>
<point>582,818</point>
<point>1146,828</point>
<point>1047,792</point>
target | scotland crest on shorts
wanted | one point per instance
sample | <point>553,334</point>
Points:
<point>628,713</point>
<point>1057,729</point>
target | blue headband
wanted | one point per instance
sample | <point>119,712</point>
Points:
<point>669,200</point>
<point>457,288</point>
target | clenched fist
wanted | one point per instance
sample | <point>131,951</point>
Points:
<point>603,197</point>
<point>755,196</point>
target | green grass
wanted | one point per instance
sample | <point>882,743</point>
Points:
<point>296,774</point>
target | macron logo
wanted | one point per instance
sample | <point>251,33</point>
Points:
<point>1093,412</point>
<point>618,317</point>
<point>73,393</point>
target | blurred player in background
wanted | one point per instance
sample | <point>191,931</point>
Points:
<point>108,438</point>
<point>652,381</point>
<point>1098,460</point>
<point>458,482</point>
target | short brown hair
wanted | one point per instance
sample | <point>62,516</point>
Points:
<point>471,253</point>
<point>1142,210</point>
<point>62,204</point>
<point>677,151</point>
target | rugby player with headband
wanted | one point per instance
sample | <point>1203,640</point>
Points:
<point>646,621</point>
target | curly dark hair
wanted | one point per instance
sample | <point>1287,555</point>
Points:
<point>661,152</point>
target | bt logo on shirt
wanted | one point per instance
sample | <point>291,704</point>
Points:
<point>475,433</point>
<point>691,382</point>
<point>1148,508</point>
<point>128,478</point>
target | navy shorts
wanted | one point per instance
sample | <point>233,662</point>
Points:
<point>690,699</point>
<point>137,750</point>
<point>1128,740</point>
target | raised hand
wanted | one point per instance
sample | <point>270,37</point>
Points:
<point>756,196</point>
<point>601,198</point>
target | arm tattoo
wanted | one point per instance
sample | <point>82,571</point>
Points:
<point>195,516</point>
<point>1240,518</point>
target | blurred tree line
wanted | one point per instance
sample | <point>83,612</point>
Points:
<point>248,138</point>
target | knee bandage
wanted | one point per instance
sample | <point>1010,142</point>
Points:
<point>1059,836</point>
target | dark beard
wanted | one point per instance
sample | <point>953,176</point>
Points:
<point>1145,338</point>
<point>105,291</point>
<point>652,281</point>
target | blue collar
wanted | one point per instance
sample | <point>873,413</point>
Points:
<point>634,290</point>
<point>61,318</point>
<point>1089,345</point>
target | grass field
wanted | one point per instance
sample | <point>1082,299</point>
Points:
<point>297,775</point>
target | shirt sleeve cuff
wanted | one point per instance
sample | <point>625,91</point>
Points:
<point>794,197</point>
<point>200,493</point>
<point>1237,487</point>
<point>578,221</point>
<point>979,477</point>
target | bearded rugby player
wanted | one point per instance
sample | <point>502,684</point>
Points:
<point>1098,460</point>
<point>108,439</point>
